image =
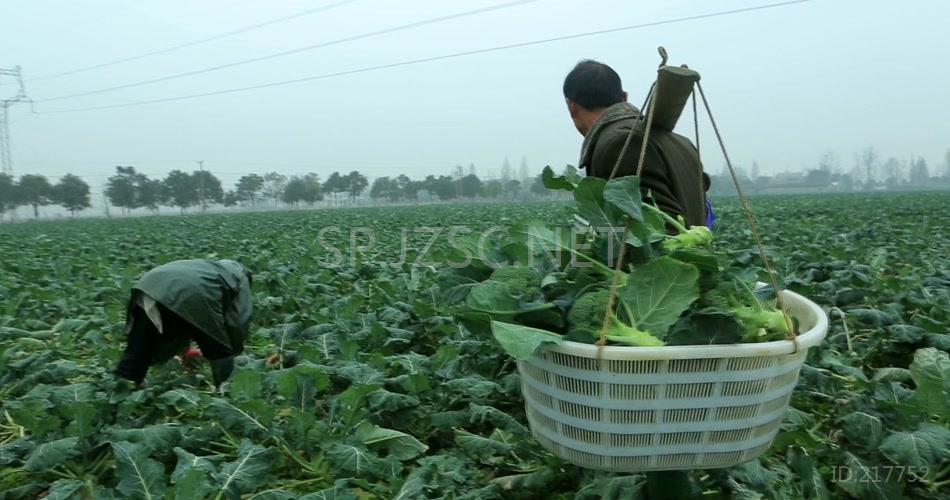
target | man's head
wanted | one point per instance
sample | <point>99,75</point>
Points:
<point>590,88</point>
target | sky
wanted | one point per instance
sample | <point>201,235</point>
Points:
<point>786,84</point>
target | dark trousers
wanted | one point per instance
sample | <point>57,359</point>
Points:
<point>147,347</point>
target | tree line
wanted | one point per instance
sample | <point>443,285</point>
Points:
<point>71,193</point>
<point>128,189</point>
<point>868,172</point>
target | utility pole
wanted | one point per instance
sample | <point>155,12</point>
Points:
<point>201,185</point>
<point>6,157</point>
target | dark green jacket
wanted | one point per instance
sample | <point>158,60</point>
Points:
<point>212,295</point>
<point>672,172</point>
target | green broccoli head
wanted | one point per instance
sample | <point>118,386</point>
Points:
<point>760,324</point>
<point>587,314</point>
<point>588,311</point>
<point>696,236</point>
<point>520,280</point>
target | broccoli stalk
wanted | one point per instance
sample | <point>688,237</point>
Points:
<point>686,238</point>
<point>587,314</point>
<point>621,333</point>
<point>757,320</point>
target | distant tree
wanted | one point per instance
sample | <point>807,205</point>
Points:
<point>382,189</point>
<point>537,186</point>
<point>8,194</point>
<point>231,198</point>
<point>295,191</point>
<point>893,172</point>
<point>248,188</point>
<point>506,172</point>
<point>180,190</point>
<point>405,188</point>
<point>314,191</point>
<point>471,186</point>
<point>302,189</point>
<point>512,188</point>
<point>828,161</point>
<point>209,188</point>
<point>356,183</point>
<point>71,193</point>
<point>150,193</point>
<point>443,186</point>
<point>867,160</point>
<point>35,190</point>
<point>274,185</point>
<point>523,175</point>
<point>492,189</point>
<point>334,184</point>
<point>121,187</point>
<point>919,173</point>
<point>946,164</point>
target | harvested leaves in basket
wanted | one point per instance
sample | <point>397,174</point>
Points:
<point>542,283</point>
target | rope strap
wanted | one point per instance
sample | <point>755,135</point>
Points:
<point>743,200</point>
<point>615,283</point>
<point>753,226</point>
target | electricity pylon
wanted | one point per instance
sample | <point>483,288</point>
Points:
<point>6,157</point>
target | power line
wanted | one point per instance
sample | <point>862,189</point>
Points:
<point>338,41</point>
<point>429,59</point>
<point>198,42</point>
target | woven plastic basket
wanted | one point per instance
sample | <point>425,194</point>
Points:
<point>628,409</point>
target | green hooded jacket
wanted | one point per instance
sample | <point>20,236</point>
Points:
<point>672,172</point>
<point>212,295</point>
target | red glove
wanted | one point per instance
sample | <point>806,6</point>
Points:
<point>191,352</point>
<point>188,355</point>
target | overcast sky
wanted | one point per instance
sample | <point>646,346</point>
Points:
<point>786,83</point>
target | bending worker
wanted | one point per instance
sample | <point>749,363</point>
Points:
<point>672,173</point>
<point>205,301</point>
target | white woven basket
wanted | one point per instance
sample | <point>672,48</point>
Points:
<point>628,409</point>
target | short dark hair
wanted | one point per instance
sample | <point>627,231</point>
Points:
<point>593,85</point>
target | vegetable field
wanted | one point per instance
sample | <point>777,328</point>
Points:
<point>358,383</point>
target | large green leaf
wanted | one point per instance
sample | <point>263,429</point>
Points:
<point>48,455</point>
<point>658,292</point>
<point>234,417</point>
<point>301,384</point>
<point>492,297</point>
<point>623,193</point>
<point>863,429</point>
<point>63,489</point>
<point>928,446</point>
<point>631,487</point>
<point>591,205</point>
<point>397,443</point>
<point>521,342</point>
<point>246,473</point>
<point>566,182</point>
<point>190,462</point>
<point>485,449</point>
<point>139,477</point>
<point>354,459</point>
<point>931,373</point>
<point>193,483</point>
<point>246,384</point>
<point>155,438</point>
<point>857,478</point>
<point>705,328</point>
